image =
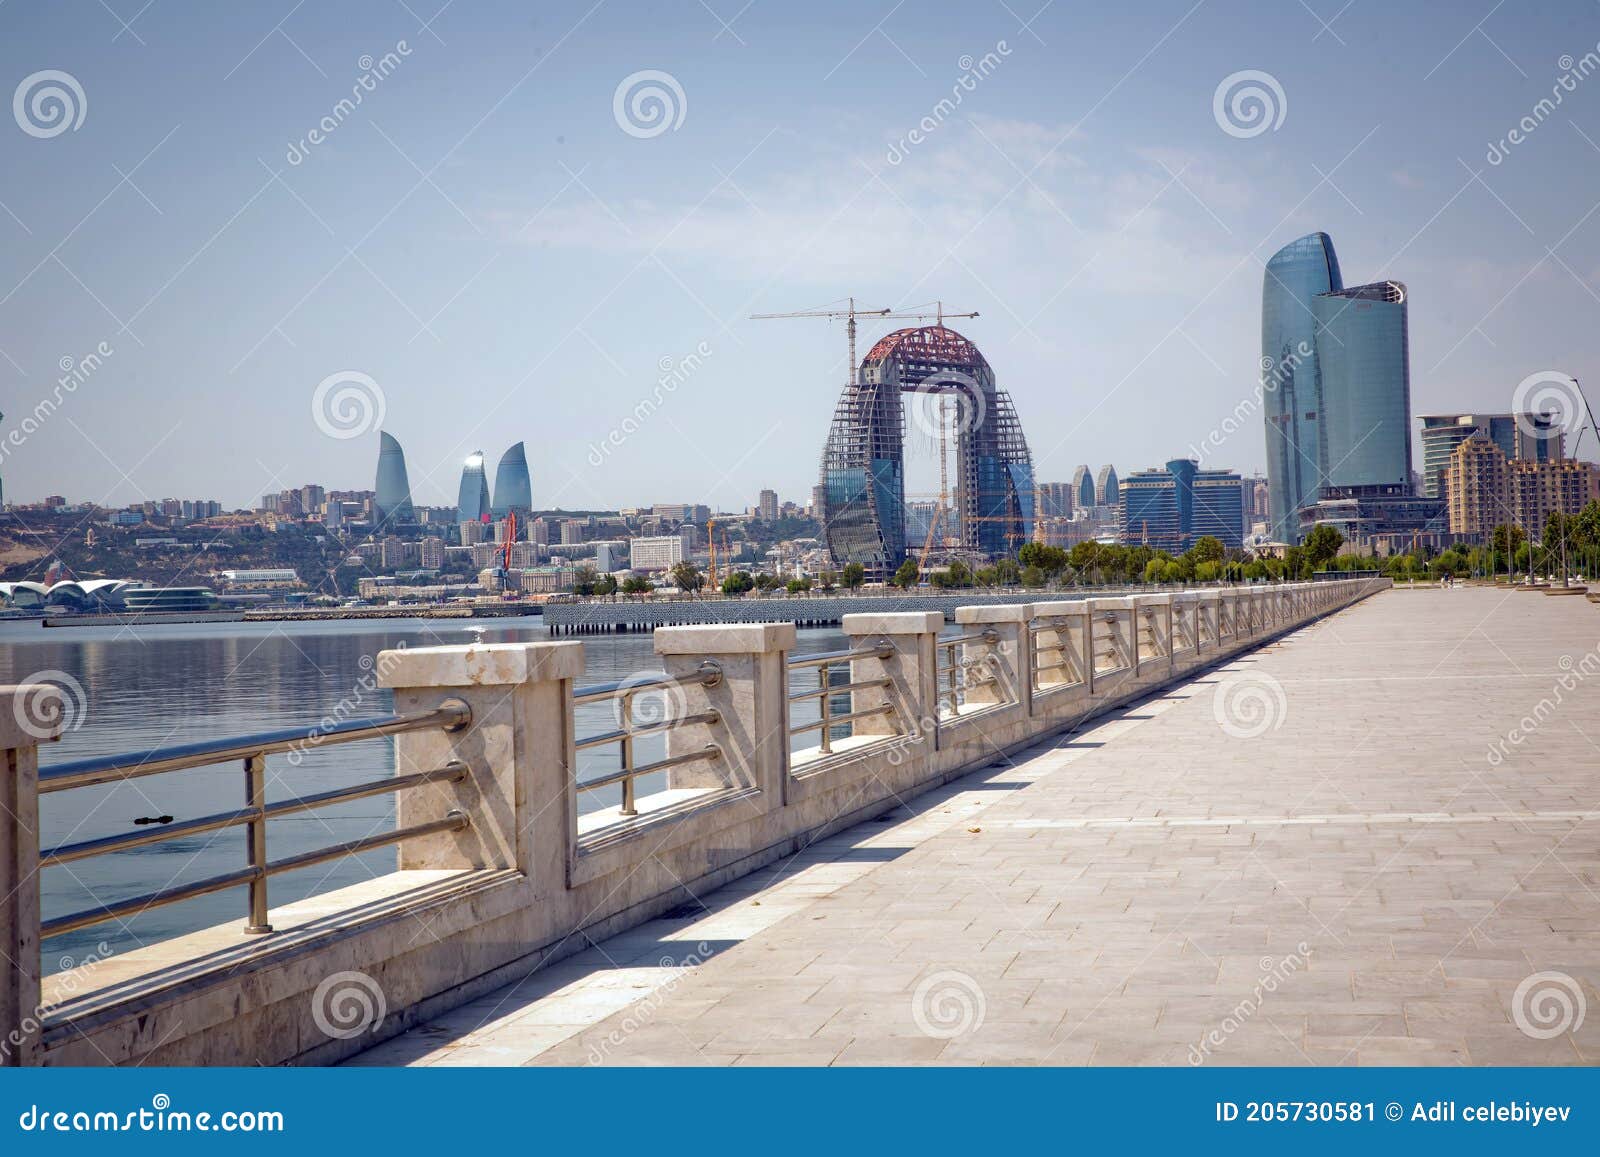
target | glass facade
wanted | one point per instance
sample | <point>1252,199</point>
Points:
<point>1295,276</point>
<point>1364,424</point>
<point>1106,490</point>
<point>513,489</point>
<point>1083,488</point>
<point>392,493</point>
<point>472,499</point>
<point>1531,437</point>
<point>1168,509</point>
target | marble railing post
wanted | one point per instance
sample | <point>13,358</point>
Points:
<point>518,747</point>
<point>912,669</point>
<point>751,699</point>
<point>1001,671</point>
<point>1118,619</point>
<point>1186,625</point>
<point>29,714</point>
<point>1066,632</point>
<point>1153,633</point>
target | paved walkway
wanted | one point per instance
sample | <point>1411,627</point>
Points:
<point>1350,847</point>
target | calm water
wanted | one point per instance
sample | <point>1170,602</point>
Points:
<point>179,684</point>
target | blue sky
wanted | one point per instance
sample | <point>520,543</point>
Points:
<point>483,239</point>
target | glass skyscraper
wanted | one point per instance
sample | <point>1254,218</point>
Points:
<point>1083,488</point>
<point>513,489</point>
<point>1364,427</point>
<point>1295,276</point>
<point>472,500</point>
<point>1168,509</point>
<point>391,499</point>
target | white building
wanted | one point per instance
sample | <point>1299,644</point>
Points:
<point>658,552</point>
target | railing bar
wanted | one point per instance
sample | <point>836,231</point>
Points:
<point>822,657</point>
<point>802,728</point>
<point>840,688</point>
<point>617,736</point>
<point>616,777</point>
<point>450,823</point>
<point>453,772</point>
<point>138,904</point>
<point>597,692</point>
<point>134,765</point>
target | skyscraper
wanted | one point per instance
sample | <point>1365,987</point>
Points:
<point>1336,366</point>
<point>392,492</point>
<point>1106,491</point>
<point>513,489</point>
<point>767,505</point>
<point>1295,276</point>
<point>1083,488</point>
<point>472,500</point>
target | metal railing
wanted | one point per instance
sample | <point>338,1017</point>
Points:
<point>824,664</point>
<point>1056,650</point>
<point>629,731</point>
<point>1110,643</point>
<point>252,751</point>
<point>954,676</point>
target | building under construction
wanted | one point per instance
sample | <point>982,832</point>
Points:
<point>863,463</point>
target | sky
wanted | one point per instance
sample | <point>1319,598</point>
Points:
<point>242,277</point>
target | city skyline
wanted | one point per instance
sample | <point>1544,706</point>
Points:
<point>1109,220</point>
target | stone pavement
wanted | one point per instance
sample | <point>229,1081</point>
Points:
<point>1374,842</point>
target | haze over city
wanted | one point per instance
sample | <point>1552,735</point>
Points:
<point>491,239</point>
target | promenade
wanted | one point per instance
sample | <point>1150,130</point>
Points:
<point>1352,846</point>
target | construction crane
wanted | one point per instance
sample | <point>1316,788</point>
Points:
<point>849,314</point>
<point>711,533</point>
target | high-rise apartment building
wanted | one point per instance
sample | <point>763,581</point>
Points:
<point>1055,500</point>
<point>767,506</point>
<point>656,552</point>
<point>1484,488</point>
<point>1534,437</point>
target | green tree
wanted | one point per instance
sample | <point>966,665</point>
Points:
<point>798,585</point>
<point>738,583</point>
<point>827,580</point>
<point>687,577</point>
<point>907,575</point>
<point>583,581</point>
<point>605,585</point>
<point>853,575</point>
<point>637,585</point>
<point>1206,548</point>
<point>768,582</point>
<point>1321,545</point>
<point>1033,576</point>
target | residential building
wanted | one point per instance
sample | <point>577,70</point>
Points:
<point>430,553</point>
<point>1055,500</point>
<point>1484,488</point>
<point>1534,437</point>
<point>767,506</point>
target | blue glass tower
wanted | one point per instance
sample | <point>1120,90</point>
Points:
<point>1083,488</point>
<point>513,489</point>
<point>1365,421</point>
<point>1291,375</point>
<point>392,493</point>
<point>472,500</point>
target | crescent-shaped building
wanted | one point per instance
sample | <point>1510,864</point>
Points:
<point>863,462</point>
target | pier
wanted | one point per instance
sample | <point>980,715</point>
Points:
<point>1310,823</point>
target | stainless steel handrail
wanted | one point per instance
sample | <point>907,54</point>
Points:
<point>824,662</point>
<point>451,715</point>
<point>622,693</point>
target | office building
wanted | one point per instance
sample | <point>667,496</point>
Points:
<point>1168,509</point>
<point>1106,491</point>
<point>1083,488</point>
<point>1055,500</point>
<point>656,552</point>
